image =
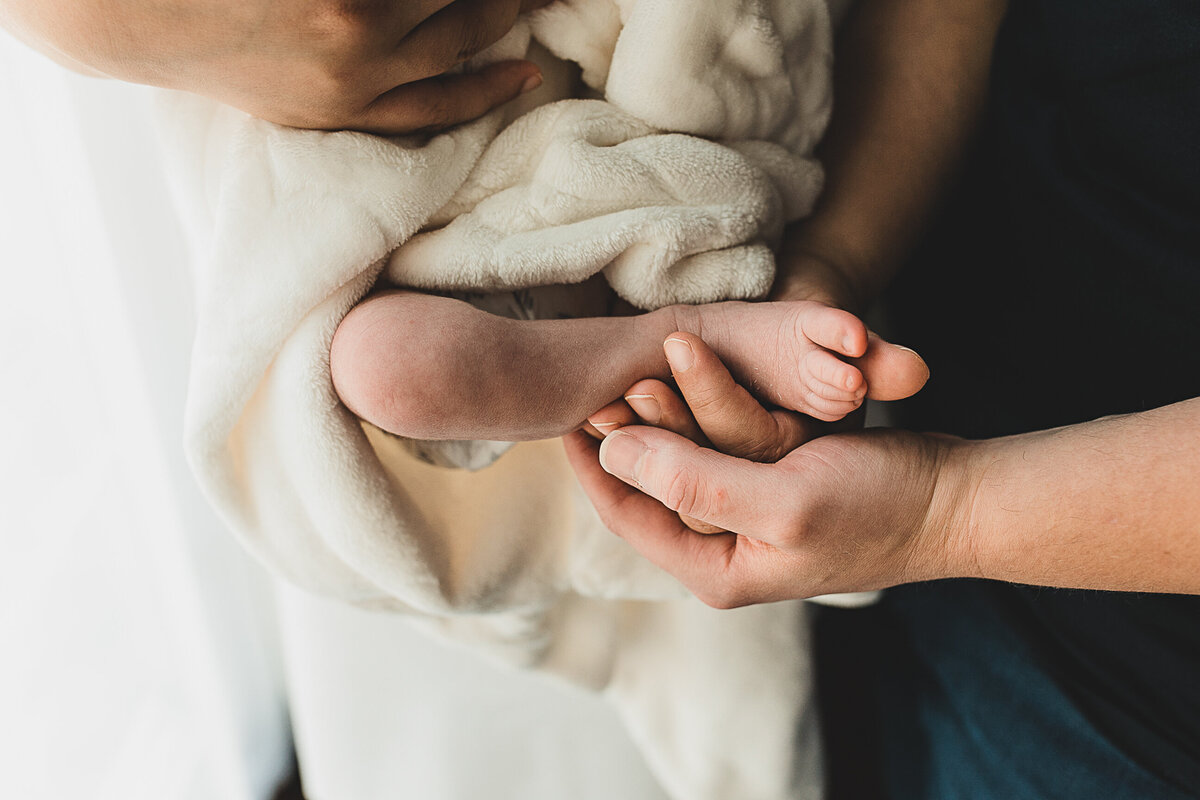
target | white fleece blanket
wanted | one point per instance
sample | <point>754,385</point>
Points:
<point>511,560</point>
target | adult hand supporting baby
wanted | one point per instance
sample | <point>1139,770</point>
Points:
<point>1108,504</point>
<point>329,64</point>
<point>842,512</point>
<point>715,412</point>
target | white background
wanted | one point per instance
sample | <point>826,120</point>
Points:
<point>136,650</point>
<point>142,654</point>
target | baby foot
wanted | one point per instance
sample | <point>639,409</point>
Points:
<point>807,356</point>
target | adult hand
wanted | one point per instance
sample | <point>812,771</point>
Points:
<point>714,411</point>
<point>362,64</point>
<point>843,512</point>
<point>719,412</point>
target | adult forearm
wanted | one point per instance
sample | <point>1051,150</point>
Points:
<point>133,40</point>
<point>911,79</point>
<point>1110,504</point>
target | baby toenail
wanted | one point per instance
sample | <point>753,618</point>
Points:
<point>679,355</point>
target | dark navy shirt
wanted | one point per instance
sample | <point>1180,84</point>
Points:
<point>1061,284</point>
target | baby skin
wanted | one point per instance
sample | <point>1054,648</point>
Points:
<point>428,367</point>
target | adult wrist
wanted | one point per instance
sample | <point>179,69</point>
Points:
<point>948,539</point>
<point>811,268</point>
<point>805,276</point>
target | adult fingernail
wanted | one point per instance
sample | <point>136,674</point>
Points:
<point>531,83</point>
<point>679,355</point>
<point>645,406</point>
<point>621,455</point>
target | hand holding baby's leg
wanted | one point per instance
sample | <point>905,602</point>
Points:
<point>712,410</point>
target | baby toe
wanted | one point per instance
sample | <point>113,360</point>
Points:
<point>834,329</point>
<point>830,410</point>
<point>830,377</point>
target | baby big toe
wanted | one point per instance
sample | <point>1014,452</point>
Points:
<point>835,329</point>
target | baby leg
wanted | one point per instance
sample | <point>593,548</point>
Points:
<point>429,367</point>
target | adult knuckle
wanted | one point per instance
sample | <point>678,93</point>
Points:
<point>480,30</point>
<point>348,21</point>
<point>340,78</point>
<point>684,493</point>
<point>707,399</point>
<point>757,447</point>
<point>475,36</point>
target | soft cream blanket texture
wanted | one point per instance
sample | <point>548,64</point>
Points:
<point>674,179</point>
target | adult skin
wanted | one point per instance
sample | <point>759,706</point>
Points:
<point>1109,504</point>
<point>331,64</point>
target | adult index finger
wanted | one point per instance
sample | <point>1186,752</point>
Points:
<point>730,417</point>
<point>655,404</point>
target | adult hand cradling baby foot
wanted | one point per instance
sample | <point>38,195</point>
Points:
<point>788,518</point>
<point>787,495</point>
<point>841,364</point>
<point>714,411</point>
<point>329,64</point>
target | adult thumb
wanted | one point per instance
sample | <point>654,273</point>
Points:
<point>731,493</point>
